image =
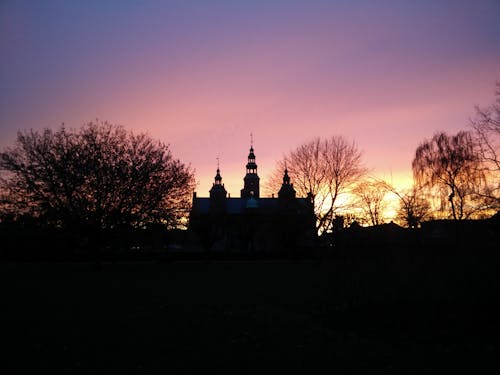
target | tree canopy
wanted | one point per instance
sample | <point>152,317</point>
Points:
<point>413,207</point>
<point>370,201</point>
<point>325,168</point>
<point>99,175</point>
<point>486,127</point>
<point>450,164</point>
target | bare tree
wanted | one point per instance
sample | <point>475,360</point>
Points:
<point>100,175</point>
<point>413,207</point>
<point>370,200</point>
<point>324,168</point>
<point>449,165</point>
<point>486,125</point>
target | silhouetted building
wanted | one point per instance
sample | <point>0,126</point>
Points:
<point>251,223</point>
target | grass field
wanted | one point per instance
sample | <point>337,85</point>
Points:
<point>378,315</point>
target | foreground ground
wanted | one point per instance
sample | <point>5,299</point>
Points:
<point>411,315</point>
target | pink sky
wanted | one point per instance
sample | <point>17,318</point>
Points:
<point>202,76</point>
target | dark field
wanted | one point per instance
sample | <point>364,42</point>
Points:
<point>413,315</point>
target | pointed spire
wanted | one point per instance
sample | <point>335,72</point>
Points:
<point>251,179</point>
<point>286,177</point>
<point>218,177</point>
<point>251,155</point>
<point>251,165</point>
<point>287,192</point>
<point>218,191</point>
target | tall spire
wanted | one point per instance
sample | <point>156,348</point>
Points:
<point>251,180</point>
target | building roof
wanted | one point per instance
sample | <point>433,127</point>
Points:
<point>239,205</point>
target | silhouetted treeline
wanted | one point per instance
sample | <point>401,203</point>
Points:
<point>28,240</point>
<point>435,236</point>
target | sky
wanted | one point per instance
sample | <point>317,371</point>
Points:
<point>204,75</point>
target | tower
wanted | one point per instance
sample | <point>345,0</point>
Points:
<point>218,194</point>
<point>287,192</point>
<point>251,179</point>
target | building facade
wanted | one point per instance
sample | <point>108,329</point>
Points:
<point>251,223</point>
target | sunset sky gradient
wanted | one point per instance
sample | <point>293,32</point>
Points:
<point>203,75</point>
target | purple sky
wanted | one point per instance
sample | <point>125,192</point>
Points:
<point>203,75</point>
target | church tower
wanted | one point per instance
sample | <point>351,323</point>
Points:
<point>251,180</point>
<point>218,194</point>
<point>287,192</point>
